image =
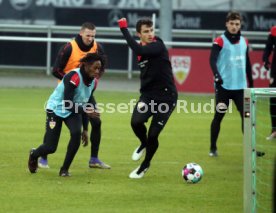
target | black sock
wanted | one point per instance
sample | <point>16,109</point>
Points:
<point>142,146</point>
<point>143,166</point>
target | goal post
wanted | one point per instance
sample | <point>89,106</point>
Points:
<point>255,200</point>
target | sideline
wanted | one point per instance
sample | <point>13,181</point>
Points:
<point>105,84</point>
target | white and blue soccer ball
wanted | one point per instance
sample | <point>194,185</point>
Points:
<point>192,173</point>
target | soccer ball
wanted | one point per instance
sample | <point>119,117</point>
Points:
<point>192,173</point>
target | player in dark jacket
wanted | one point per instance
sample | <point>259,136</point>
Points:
<point>158,92</point>
<point>269,48</point>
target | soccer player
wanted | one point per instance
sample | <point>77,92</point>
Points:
<point>271,46</point>
<point>67,103</point>
<point>158,92</point>
<point>230,65</point>
<point>67,60</point>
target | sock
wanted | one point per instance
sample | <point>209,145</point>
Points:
<point>142,146</point>
<point>143,166</point>
<point>94,160</point>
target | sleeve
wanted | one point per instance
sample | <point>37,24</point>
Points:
<point>92,101</point>
<point>268,48</point>
<point>100,51</point>
<point>85,121</point>
<point>154,48</point>
<point>215,50</point>
<point>96,85</point>
<point>249,70</point>
<point>61,60</point>
<point>71,82</point>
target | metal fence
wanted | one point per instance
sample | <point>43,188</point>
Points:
<point>104,33</point>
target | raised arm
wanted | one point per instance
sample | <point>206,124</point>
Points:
<point>154,48</point>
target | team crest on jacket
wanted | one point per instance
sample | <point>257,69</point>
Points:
<point>52,124</point>
<point>181,66</point>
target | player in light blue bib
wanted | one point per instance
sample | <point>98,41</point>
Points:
<point>71,98</point>
<point>232,72</point>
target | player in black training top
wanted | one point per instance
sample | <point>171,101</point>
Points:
<point>158,92</point>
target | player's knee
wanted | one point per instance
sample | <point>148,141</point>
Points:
<point>96,122</point>
<point>153,135</point>
<point>221,108</point>
<point>154,131</point>
<point>76,134</point>
<point>136,123</point>
<point>153,141</point>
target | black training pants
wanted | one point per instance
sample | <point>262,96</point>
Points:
<point>160,111</point>
<point>223,97</point>
<point>95,135</point>
<point>52,134</point>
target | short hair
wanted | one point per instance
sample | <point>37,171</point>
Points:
<point>88,25</point>
<point>91,58</point>
<point>233,15</point>
<point>144,21</point>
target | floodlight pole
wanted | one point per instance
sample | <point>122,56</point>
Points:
<point>165,23</point>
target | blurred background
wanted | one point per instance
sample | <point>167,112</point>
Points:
<point>34,30</point>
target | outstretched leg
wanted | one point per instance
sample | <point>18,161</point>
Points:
<point>158,123</point>
<point>139,117</point>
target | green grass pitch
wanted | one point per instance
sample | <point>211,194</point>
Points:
<point>185,139</point>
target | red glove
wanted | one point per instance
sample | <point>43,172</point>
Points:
<point>122,23</point>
